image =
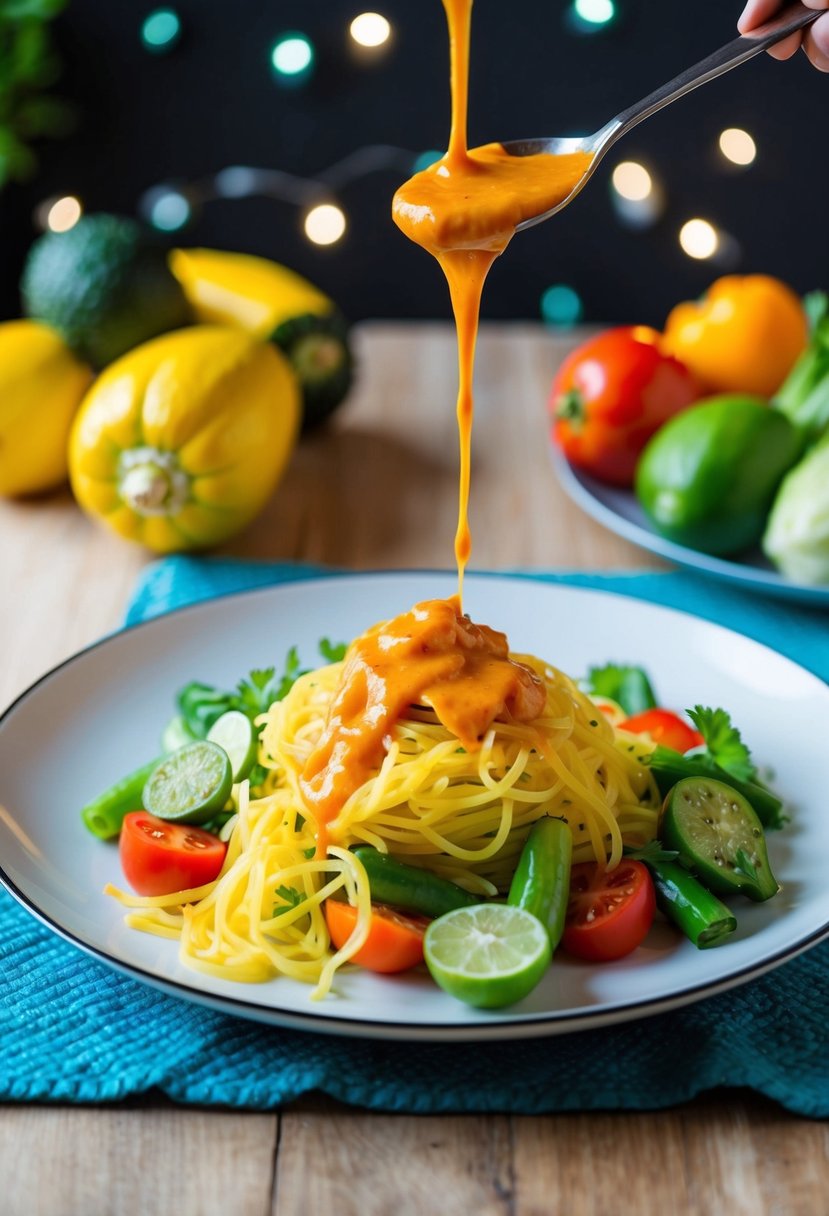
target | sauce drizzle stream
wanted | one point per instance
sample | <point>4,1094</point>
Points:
<point>464,210</point>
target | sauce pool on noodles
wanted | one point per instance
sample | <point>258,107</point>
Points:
<point>432,655</point>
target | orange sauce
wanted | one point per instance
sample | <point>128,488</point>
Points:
<point>434,656</point>
<point>464,210</point>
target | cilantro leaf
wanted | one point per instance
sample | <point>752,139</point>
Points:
<point>723,742</point>
<point>650,852</point>
<point>290,897</point>
<point>628,686</point>
<point>332,652</point>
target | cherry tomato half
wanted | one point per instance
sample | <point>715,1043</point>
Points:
<point>394,942</point>
<point>663,726</point>
<point>159,857</point>
<point>611,395</point>
<point>610,911</point>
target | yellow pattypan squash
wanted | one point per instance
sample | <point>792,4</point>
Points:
<point>182,441</point>
<point>41,386</point>
<point>240,289</point>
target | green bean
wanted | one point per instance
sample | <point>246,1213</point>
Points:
<point>541,883</point>
<point>409,887</point>
<point>104,815</point>
<point>703,918</point>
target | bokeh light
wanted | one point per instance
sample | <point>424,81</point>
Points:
<point>370,29</point>
<point>590,16</point>
<point>699,239</point>
<point>161,30</point>
<point>632,181</point>
<point>561,305</point>
<point>293,56</point>
<point>59,214</point>
<point>738,146</point>
<point>325,224</point>
<point>170,211</point>
<point>425,159</point>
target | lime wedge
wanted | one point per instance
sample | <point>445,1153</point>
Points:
<point>237,735</point>
<point>190,784</point>
<point>488,955</point>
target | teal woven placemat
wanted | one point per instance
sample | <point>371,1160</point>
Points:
<point>72,1030</point>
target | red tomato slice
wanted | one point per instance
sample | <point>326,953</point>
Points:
<point>159,857</point>
<point>610,911</point>
<point>664,726</point>
<point>394,942</point>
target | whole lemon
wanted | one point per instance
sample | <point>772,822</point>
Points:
<point>182,441</point>
<point>41,387</point>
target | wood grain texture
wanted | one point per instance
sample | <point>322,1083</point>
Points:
<point>377,489</point>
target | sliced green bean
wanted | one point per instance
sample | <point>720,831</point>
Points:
<point>703,918</point>
<point>104,815</point>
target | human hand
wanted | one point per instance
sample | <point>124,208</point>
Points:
<point>814,39</point>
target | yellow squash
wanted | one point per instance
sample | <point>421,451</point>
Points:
<point>182,441</point>
<point>274,303</point>
<point>41,386</point>
<point>238,289</point>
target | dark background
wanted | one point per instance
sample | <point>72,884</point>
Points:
<point>214,101</point>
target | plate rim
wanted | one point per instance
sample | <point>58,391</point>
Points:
<point>577,484</point>
<point>542,1024</point>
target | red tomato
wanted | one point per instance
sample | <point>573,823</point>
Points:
<point>664,726</point>
<point>394,942</point>
<point>611,395</point>
<point>158,857</point>
<point>610,911</point>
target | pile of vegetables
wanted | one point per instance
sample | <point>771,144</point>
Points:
<point>208,365</point>
<point>171,817</point>
<point>720,424</point>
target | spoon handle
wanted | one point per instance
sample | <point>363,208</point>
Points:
<point>791,18</point>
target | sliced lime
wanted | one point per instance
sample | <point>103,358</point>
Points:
<point>237,735</point>
<point>190,784</point>
<point>488,955</point>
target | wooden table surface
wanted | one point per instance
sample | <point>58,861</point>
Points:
<point>377,490</point>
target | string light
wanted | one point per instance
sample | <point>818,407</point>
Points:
<point>632,181</point>
<point>590,16</point>
<point>166,208</point>
<point>161,30</point>
<point>638,198</point>
<point>325,224</point>
<point>425,160</point>
<point>293,57</point>
<point>58,214</point>
<point>737,146</point>
<point>561,306</point>
<point>699,239</point>
<point>370,30</point>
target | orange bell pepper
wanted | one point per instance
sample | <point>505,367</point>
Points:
<point>744,335</point>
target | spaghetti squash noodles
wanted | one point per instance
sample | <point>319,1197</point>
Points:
<point>457,802</point>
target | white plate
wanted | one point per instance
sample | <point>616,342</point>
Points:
<point>99,715</point>
<point>619,511</point>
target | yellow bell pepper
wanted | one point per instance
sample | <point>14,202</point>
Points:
<point>41,386</point>
<point>182,441</point>
<point>743,336</point>
<point>239,289</point>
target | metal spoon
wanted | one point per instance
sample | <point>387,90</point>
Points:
<point>790,19</point>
